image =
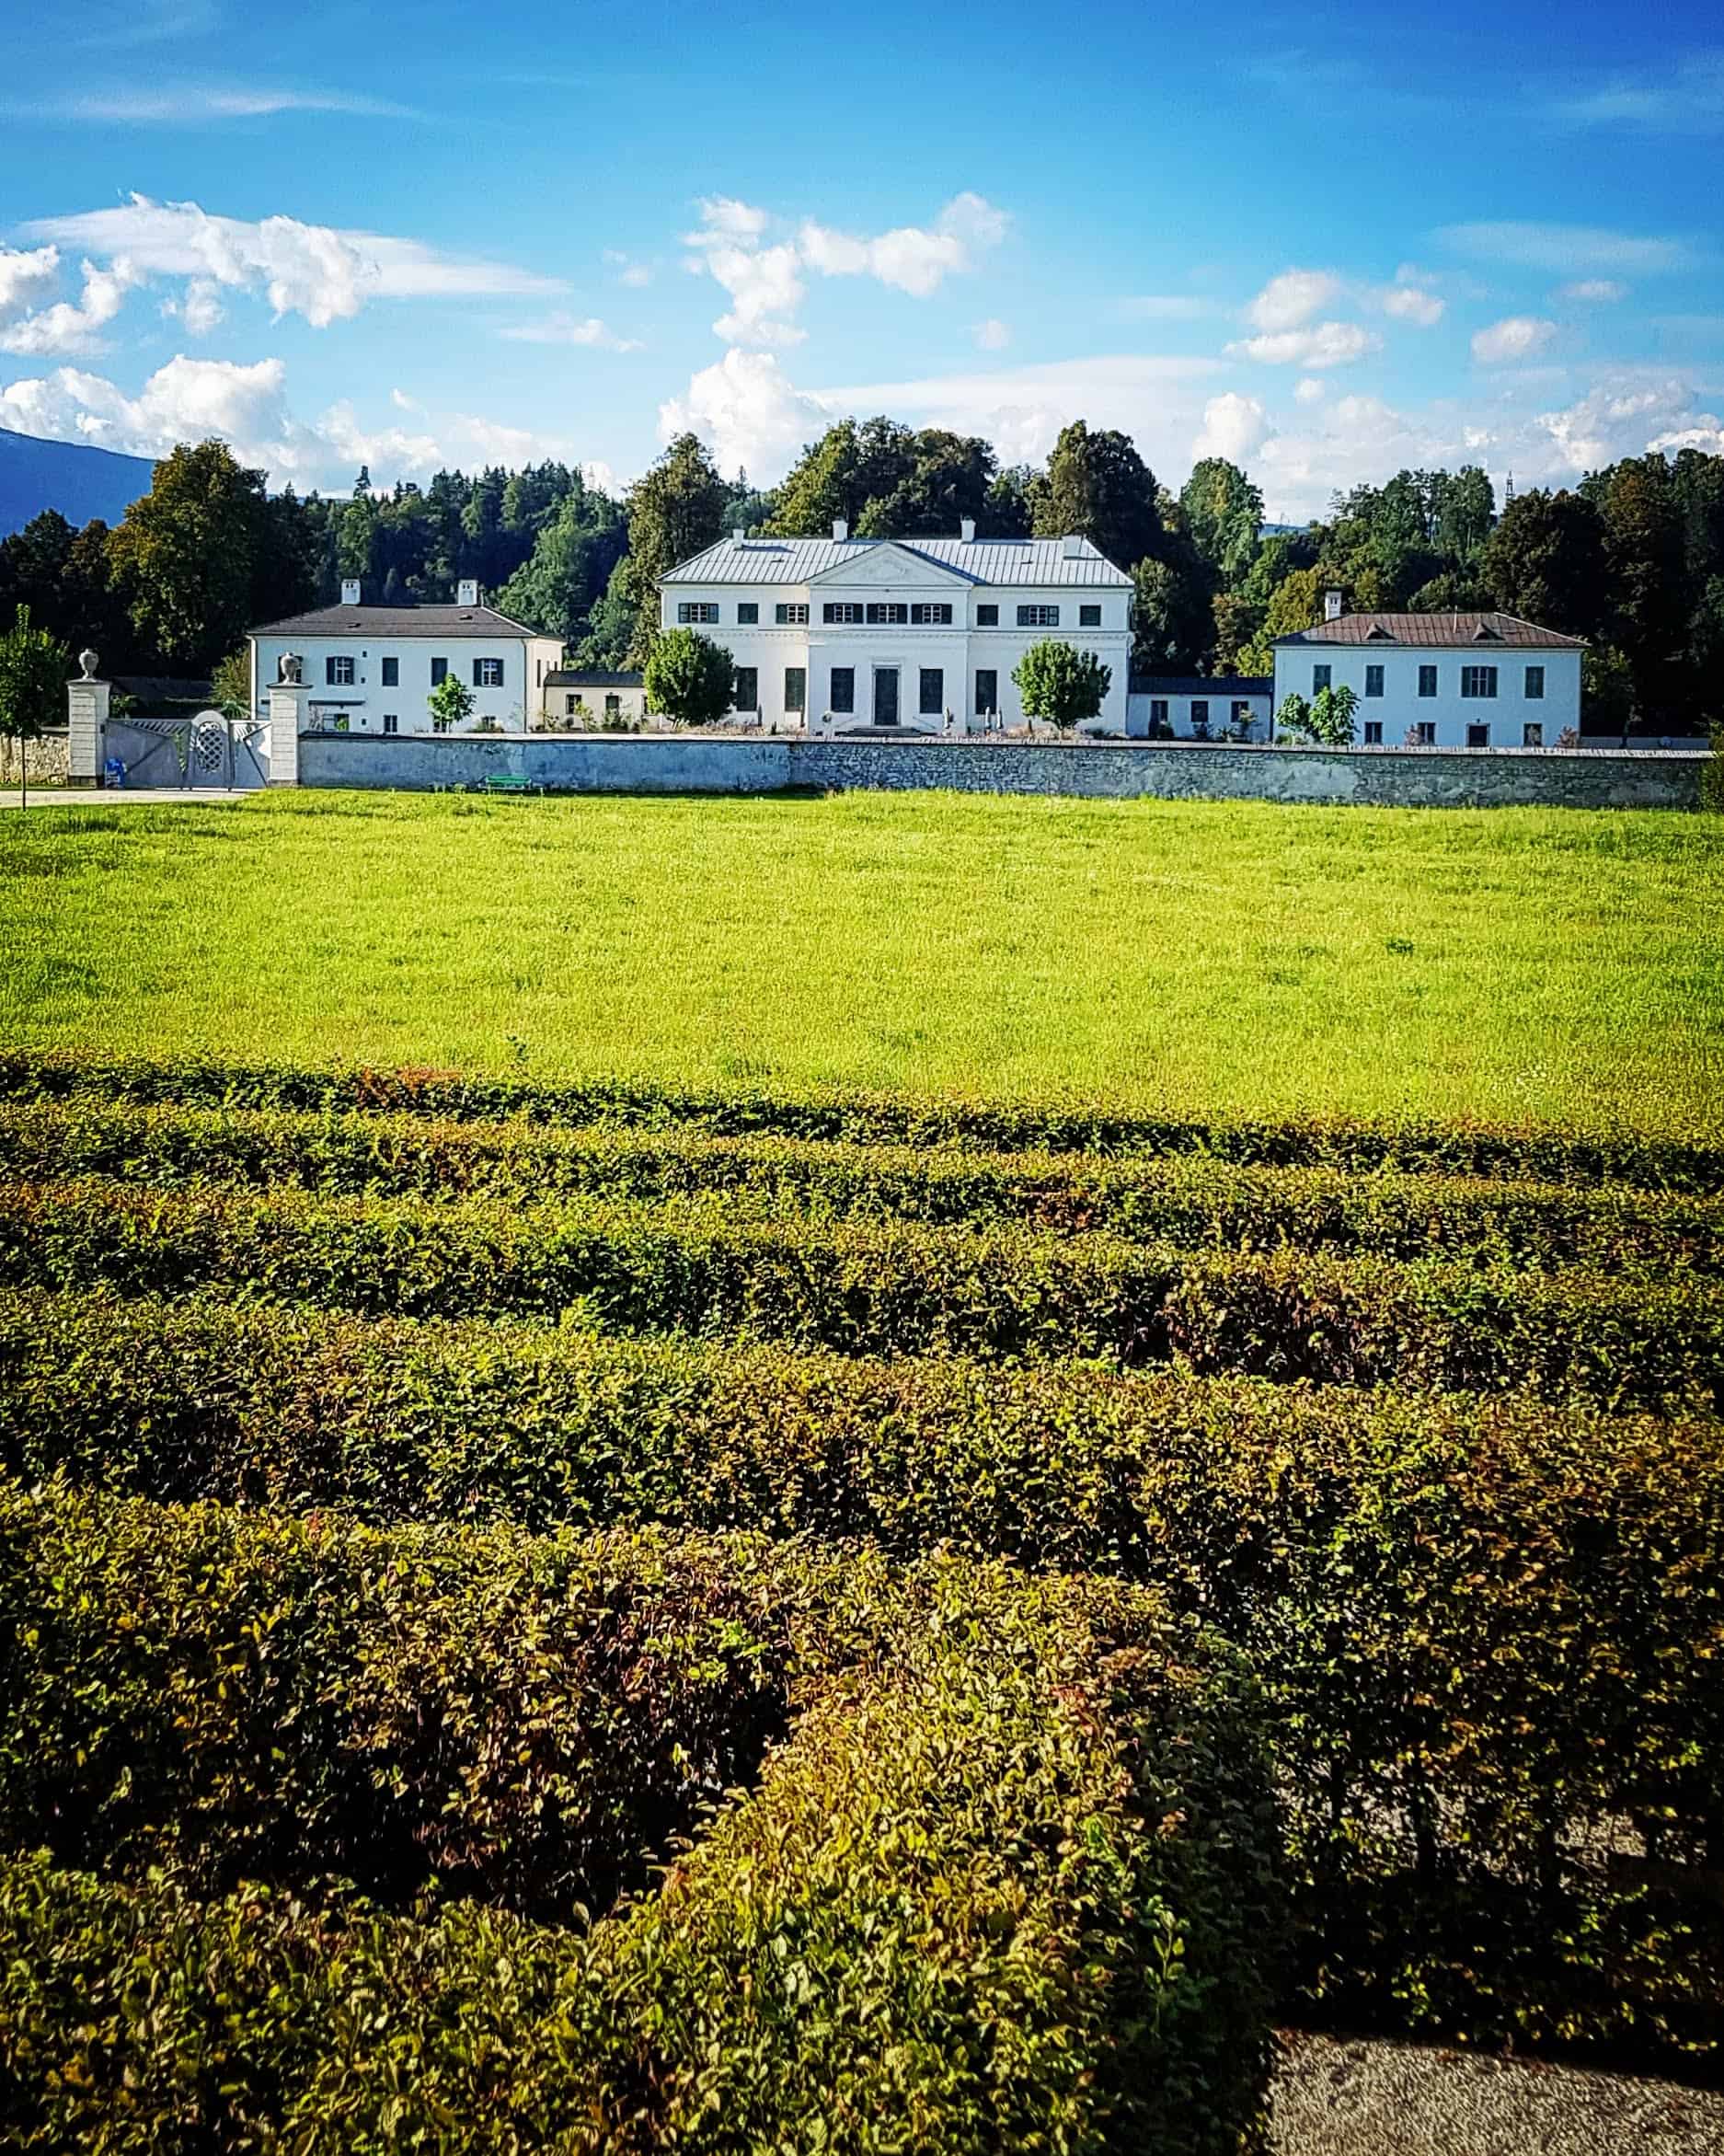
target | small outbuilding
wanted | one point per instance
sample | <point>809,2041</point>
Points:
<point>576,699</point>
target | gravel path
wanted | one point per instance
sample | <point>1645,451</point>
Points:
<point>1371,2098</point>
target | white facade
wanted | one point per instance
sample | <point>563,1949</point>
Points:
<point>372,669</point>
<point>572,701</point>
<point>1228,708</point>
<point>920,635</point>
<point>1448,680</point>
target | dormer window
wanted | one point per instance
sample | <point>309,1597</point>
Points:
<point>1485,634</point>
<point>1379,635</point>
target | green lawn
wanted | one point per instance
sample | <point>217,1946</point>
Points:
<point>1507,966</point>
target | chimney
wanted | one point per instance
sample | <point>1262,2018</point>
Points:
<point>468,591</point>
<point>1071,546</point>
<point>349,591</point>
<point>1331,605</point>
<point>967,530</point>
<point>840,527</point>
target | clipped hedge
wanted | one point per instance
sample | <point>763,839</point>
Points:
<point>1490,1631</point>
<point>1195,1201</point>
<point>1545,1153</point>
<point>883,1287</point>
<point>1015,1886</point>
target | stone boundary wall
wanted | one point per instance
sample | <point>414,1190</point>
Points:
<point>689,764</point>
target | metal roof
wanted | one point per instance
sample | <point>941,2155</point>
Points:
<point>397,621</point>
<point>1437,631</point>
<point>978,561</point>
<point>576,677</point>
<point>1192,685</point>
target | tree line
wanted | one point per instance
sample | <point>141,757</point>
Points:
<point>1632,558</point>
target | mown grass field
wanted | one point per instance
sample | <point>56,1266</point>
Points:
<point>1509,967</point>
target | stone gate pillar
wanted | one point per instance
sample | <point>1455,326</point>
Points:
<point>87,724</point>
<point>287,715</point>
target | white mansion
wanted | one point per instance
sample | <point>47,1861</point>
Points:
<point>919,634</point>
<point>1448,680</point>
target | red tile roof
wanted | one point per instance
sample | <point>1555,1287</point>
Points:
<point>1439,631</point>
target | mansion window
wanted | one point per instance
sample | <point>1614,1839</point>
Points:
<point>791,613</point>
<point>843,692</point>
<point>1320,678</point>
<point>1373,681</point>
<point>1242,713</point>
<point>1374,733</point>
<point>1479,681</point>
<point>1038,618</point>
<point>1425,734</point>
<point>841,610</point>
<point>747,613</point>
<point>987,689</point>
<point>572,707</point>
<point>689,610</point>
<point>1200,717</point>
<point>987,617</point>
<point>932,613</point>
<point>933,689</point>
<point>1159,711</point>
<point>1477,737</point>
<point>1535,683</point>
<point>886,613</point>
<point>392,673</point>
<point>1532,734</point>
<point>487,673</point>
<point>1427,681</point>
<point>439,671</point>
<point>796,686</point>
<point>1089,617</point>
<point>612,705</point>
<point>337,673</point>
<point>745,695</point>
<point>392,721</point>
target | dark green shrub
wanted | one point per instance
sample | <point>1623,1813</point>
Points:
<point>1191,1200</point>
<point>870,1287</point>
<point>1545,1153</point>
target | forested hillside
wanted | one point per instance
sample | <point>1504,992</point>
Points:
<point>1632,558</point>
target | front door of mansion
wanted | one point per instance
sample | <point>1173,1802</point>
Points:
<point>885,695</point>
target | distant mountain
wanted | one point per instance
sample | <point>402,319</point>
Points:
<point>79,481</point>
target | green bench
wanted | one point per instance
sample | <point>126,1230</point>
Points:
<point>502,782</point>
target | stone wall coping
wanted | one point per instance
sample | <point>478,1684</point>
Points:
<point>984,746</point>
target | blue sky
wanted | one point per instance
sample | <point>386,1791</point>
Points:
<point>1324,241</point>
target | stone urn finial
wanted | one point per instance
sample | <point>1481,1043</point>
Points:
<point>290,664</point>
<point>86,659</point>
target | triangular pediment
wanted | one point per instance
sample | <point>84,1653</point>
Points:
<point>888,567</point>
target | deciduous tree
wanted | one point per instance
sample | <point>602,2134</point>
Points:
<point>186,555</point>
<point>33,670</point>
<point>1061,684</point>
<point>689,678</point>
<point>1545,561</point>
<point>1099,488</point>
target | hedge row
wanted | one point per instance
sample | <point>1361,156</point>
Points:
<point>1547,1154</point>
<point>1015,1885</point>
<point>1490,1632</point>
<point>885,1288</point>
<point>1195,1201</point>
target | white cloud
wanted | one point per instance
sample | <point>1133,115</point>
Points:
<point>1515,337</point>
<point>1622,416</point>
<point>1413,303</point>
<point>1167,307</point>
<point>190,399</point>
<point>1595,291</point>
<point>1685,97</point>
<point>69,326</point>
<point>1709,435</point>
<point>311,269</point>
<point>765,281</point>
<point>1324,344</point>
<point>1291,300</point>
<point>992,335</point>
<point>190,104</point>
<point>27,278</point>
<point>747,408</point>
<point>201,309</point>
<point>629,271</point>
<point>1567,249</point>
<point>1233,427</point>
<point>1311,389</point>
<point>562,329</point>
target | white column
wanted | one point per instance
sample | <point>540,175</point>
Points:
<point>287,711</point>
<point>87,726</point>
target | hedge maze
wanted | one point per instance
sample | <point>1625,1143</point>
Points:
<point>573,1619</point>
